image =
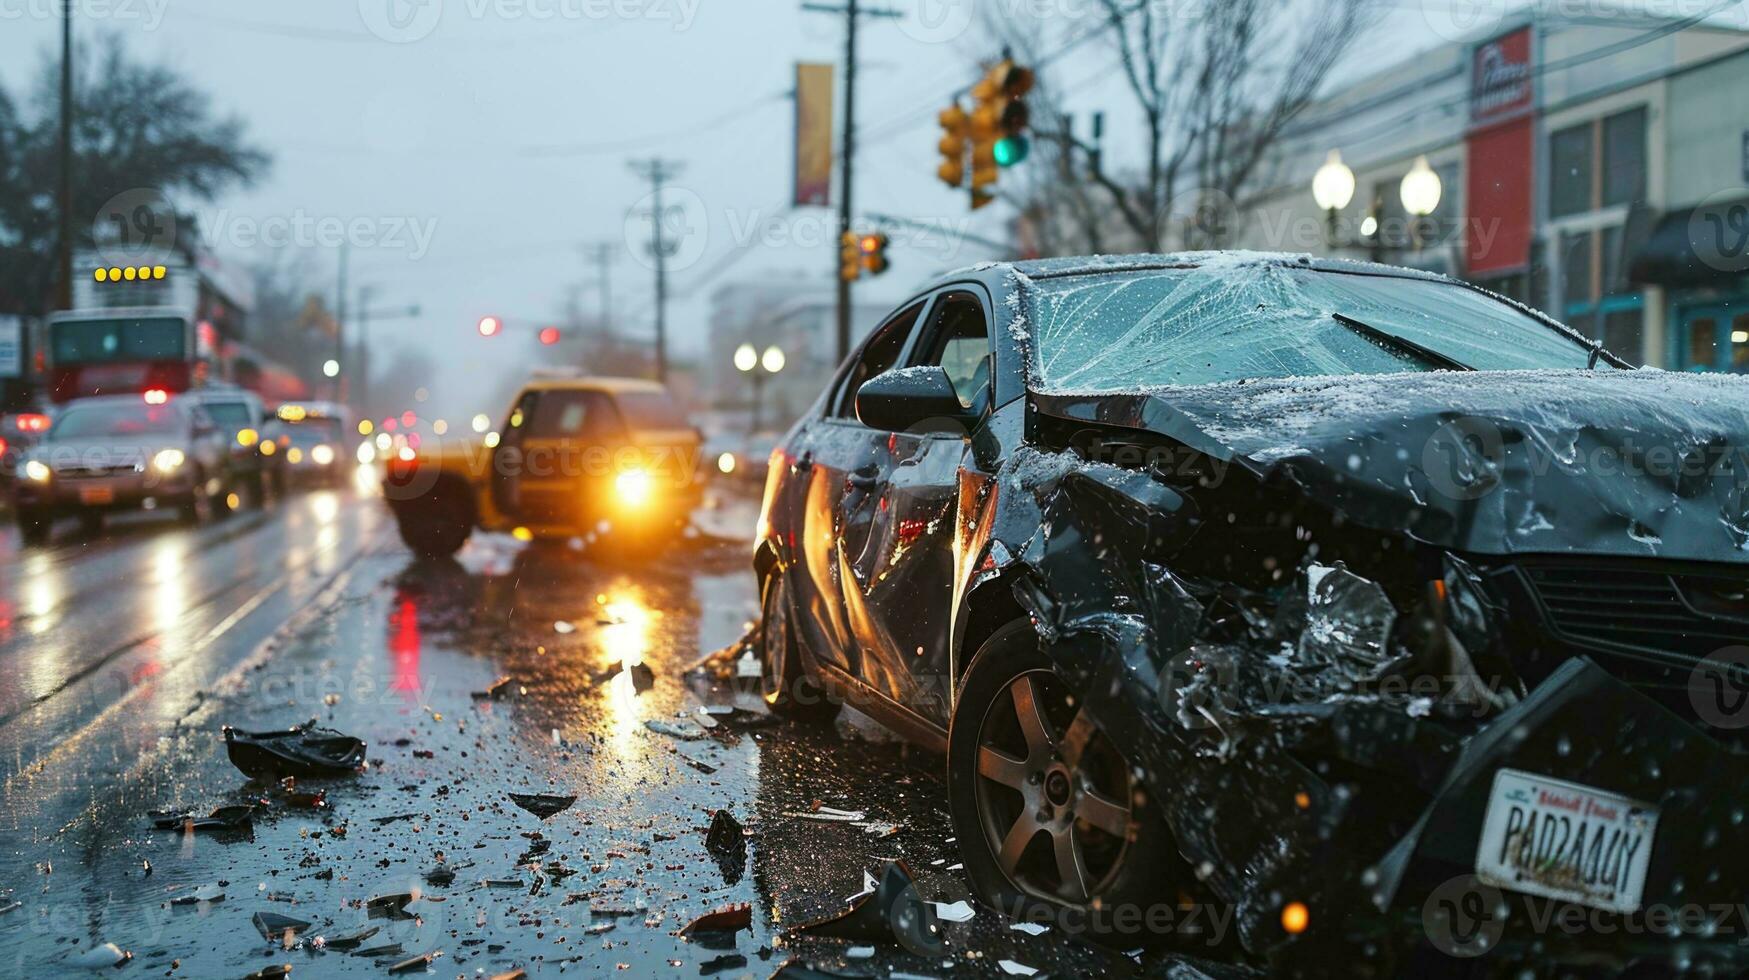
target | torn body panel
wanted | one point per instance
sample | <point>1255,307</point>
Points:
<point>1323,740</point>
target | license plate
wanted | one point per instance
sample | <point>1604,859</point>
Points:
<point>96,495</point>
<point>1566,841</point>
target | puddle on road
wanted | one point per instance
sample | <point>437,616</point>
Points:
<point>607,883</point>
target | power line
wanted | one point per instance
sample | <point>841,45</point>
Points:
<point>716,121</point>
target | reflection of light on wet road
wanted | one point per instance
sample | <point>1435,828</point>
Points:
<point>364,480</point>
<point>404,644</point>
<point>624,639</point>
<point>42,591</point>
<point>326,506</point>
<point>170,592</point>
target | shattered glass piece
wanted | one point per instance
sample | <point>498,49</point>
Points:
<point>543,805</point>
<point>684,730</point>
<point>1348,623</point>
<point>101,957</point>
<point>303,750</point>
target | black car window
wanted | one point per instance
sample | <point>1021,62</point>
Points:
<point>878,356</point>
<point>234,414</point>
<point>960,344</point>
<point>648,411</point>
<point>573,414</point>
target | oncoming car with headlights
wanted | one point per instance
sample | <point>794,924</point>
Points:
<point>571,458</point>
<point>316,443</point>
<point>121,452</point>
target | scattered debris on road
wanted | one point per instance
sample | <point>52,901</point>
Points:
<point>302,750</point>
<point>543,805</point>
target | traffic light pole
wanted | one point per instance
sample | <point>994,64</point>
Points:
<point>846,171</point>
<point>847,153</point>
<point>64,255</point>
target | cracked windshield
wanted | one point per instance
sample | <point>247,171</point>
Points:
<point>1196,489</point>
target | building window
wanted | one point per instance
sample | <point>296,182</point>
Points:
<point>1703,339</point>
<point>1576,269</point>
<point>1624,157</point>
<point>1570,171</point>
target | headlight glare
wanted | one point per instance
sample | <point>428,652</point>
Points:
<point>632,486</point>
<point>38,471</point>
<point>168,460</point>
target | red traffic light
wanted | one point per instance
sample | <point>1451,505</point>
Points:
<point>489,326</point>
<point>549,335</point>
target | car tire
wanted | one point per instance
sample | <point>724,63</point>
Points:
<point>34,527</point>
<point>197,508</point>
<point>784,682</point>
<point>1053,824</point>
<point>436,526</point>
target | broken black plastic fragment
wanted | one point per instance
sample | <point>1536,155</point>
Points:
<point>543,805</point>
<point>389,906</point>
<point>495,690</point>
<point>274,972</point>
<point>302,750</point>
<point>727,843</point>
<point>273,926</point>
<point>894,912</point>
<point>235,819</point>
<point>351,942</point>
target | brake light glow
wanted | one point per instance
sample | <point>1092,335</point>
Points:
<point>156,396</point>
<point>32,422</point>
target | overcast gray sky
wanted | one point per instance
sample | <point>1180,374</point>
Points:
<point>481,143</point>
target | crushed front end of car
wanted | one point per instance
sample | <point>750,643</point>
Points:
<point>1335,703</point>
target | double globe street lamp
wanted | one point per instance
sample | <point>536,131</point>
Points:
<point>757,367</point>
<point>1333,188</point>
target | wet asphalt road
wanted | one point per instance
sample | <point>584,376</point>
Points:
<point>123,655</point>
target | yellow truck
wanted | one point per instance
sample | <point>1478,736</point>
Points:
<point>573,457</point>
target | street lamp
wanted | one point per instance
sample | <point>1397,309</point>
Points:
<point>1333,187</point>
<point>1420,191</point>
<point>756,366</point>
<point>331,368</point>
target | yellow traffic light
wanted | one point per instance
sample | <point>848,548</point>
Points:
<point>849,257</point>
<point>997,126</point>
<point>874,253</point>
<point>954,124</point>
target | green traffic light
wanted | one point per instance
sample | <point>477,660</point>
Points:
<point>1010,150</point>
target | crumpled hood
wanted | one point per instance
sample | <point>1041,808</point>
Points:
<point>1640,463</point>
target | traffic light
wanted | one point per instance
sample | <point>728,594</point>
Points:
<point>849,257</point>
<point>549,336</point>
<point>998,126</point>
<point>1013,81</point>
<point>490,325</point>
<point>874,253</point>
<point>954,123</point>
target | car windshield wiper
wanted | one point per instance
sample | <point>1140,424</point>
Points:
<point>1402,344</point>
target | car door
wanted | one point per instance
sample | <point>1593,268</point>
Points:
<point>507,456</point>
<point>567,442</point>
<point>898,513</point>
<point>831,455</point>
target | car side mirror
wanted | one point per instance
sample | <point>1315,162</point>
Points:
<point>919,399</point>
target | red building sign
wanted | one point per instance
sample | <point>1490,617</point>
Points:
<point>1500,147</point>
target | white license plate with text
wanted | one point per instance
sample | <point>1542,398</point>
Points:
<point>1566,841</point>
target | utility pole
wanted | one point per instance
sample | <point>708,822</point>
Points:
<point>658,171</point>
<point>64,258</point>
<point>847,153</point>
<point>602,255</point>
<point>365,316</point>
<point>340,329</point>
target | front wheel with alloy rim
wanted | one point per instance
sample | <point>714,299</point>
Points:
<point>785,685</point>
<point>1052,822</point>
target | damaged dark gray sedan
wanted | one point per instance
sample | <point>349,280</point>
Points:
<point>1391,622</point>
